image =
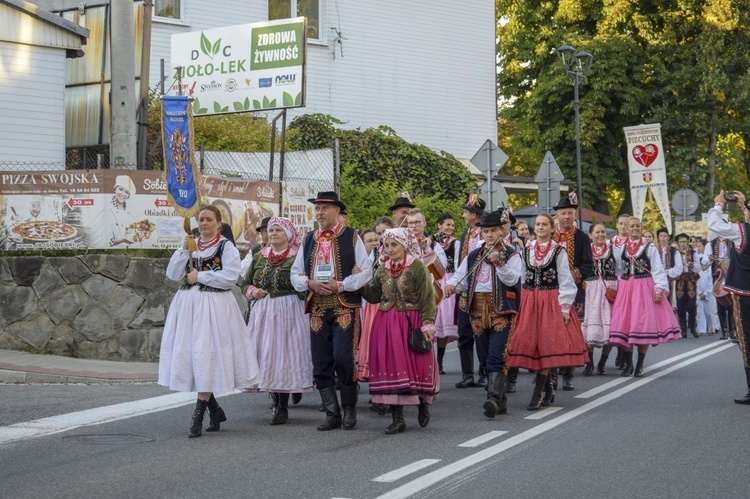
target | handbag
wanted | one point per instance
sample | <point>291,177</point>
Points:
<point>417,341</point>
<point>611,295</point>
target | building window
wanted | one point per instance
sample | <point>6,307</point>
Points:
<point>284,9</point>
<point>169,9</point>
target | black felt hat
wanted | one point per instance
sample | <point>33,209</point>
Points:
<point>569,201</point>
<point>402,202</point>
<point>329,197</point>
<point>263,224</point>
<point>475,204</point>
<point>496,218</point>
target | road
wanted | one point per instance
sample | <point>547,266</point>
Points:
<point>673,433</point>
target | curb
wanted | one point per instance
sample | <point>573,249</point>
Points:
<point>23,377</point>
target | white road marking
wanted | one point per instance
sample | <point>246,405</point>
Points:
<point>394,475</point>
<point>476,442</point>
<point>99,415</point>
<point>431,478</point>
<point>544,413</point>
<point>606,386</point>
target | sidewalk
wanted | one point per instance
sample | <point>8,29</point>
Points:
<point>22,367</point>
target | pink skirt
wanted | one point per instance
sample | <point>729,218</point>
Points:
<point>368,312</point>
<point>637,319</point>
<point>445,320</point>
<point>399,375</point>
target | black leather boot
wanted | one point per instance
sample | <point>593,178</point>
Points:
<point>215,414</point>
<point>333,412</point>
<point>746,399</point>
<point>496,402</point>
<point>280,409</point>
<point>588,370</point>
<point>440,356</point>
<point>349,403</point>
<point>724,334</point>
<point>628,361</point>
<point>398,425</point>
<point>482,380</point>
<point>423,414</point>
<point>296,398</point>
<point>568,375</point>
<point>694,332</point>
<point>553,376</point>
<point>638,373</point>
<point>510,383</point>
<point>536,397</point>
<point>549,394</point>
<point>601,366</point>
<point>467,368</point>
<point>196,424</point>
<point>618,359</point>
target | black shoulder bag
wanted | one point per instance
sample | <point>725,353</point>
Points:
<point>417,341</point>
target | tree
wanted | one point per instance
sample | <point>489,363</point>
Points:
<point>377,164</point>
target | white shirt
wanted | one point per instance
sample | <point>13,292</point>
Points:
<point>225,278</point>
<point>567,285</point>
<point>351,283</point>
<point>509,274</point>
<point>722,228</point>
<point>676,270</point>
<point>658,273</point>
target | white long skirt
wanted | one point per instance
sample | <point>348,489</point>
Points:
<point>280,331</point>
<point>205,346</point>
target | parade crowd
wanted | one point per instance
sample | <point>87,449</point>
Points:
<point>339,306</point>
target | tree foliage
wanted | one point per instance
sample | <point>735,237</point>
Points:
<point>377,164</point>
<point>682,63</point>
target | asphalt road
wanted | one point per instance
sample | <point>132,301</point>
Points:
<point>673,433</point>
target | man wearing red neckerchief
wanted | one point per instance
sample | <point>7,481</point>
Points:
<point>578,246</point>
<point>325,270</point>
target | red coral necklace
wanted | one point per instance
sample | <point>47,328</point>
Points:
<point>634,246</point>
<point>540,253</point>
<point>277,259</point>
<point>397,269</point>
<point>204,246</point>
<point>599,253</point>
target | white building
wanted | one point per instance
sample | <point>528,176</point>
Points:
<point>426,69</point>
<point>34,44</point>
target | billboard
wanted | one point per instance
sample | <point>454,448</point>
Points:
<point>249,67</point>
<point>119,209</point>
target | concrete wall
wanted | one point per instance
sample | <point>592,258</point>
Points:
<point>95,306</point>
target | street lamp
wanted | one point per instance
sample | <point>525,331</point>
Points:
<point>576,65</point>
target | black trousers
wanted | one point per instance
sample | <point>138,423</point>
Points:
<point>686,305</point>
<point>332,344</point>
<point>742,321</point>
<point>726,316</point>
<point>492,343</point>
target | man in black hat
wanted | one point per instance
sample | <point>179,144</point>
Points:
<point>470,240</point>
<point>491,278</point>
<point>578,246</point>
<point>686,285</point>
<point>400,209</point>
<point>738,275</point>
<point>324,270</point>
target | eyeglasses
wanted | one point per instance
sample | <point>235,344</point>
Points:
<point>414,224</point>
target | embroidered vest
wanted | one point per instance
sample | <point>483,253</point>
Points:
<point>206,264</point>
<point>715,245</point>
<point>505,299</point>
<point>342,247</point>
<point>638,267</point>
<point>738,275</point>
<point>545,276</point>
<point>605,267</point>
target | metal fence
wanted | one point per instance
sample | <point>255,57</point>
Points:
<point>317,168</point>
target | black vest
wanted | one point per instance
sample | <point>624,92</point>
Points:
<point>206,264</point>
<point>544,277</point>
<point>450,254</point>
<point>639,267</point>
<point>505,299</point>
<point>342,249</point>
<point>605,267</point>
<point>738,275</point>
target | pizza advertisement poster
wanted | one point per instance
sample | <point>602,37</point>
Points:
<point>118,209</point>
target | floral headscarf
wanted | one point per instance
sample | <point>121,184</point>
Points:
<point>295,238</point>
<point>406,238</point>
